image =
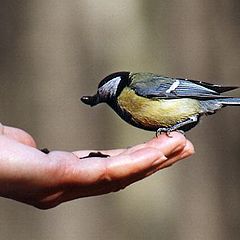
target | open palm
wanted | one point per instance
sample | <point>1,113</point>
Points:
<point>45,180</point>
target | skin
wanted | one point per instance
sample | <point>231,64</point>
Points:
<point>46,180</point>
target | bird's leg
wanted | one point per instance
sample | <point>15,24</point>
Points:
<point>177,126</point>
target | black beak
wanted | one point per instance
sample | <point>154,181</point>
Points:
<point>91,100</point>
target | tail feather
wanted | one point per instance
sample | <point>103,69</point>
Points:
<point>229,101</point>
<point>222,89</point>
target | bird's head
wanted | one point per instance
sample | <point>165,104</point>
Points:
<point>108,89</point>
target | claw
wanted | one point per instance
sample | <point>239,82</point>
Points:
<point>164,130</point>
<point>168,133</point>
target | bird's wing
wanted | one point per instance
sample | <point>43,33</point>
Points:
<point>215,87</point>
<point>154,86</point>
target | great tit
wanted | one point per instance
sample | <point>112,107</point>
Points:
<point>158,103</point>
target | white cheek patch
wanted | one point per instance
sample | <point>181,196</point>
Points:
<point>173,86</point>
<point>110,88</point>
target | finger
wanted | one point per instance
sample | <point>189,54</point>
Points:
<point>187,151</point>
<point>141,162</point>
<point>126,165</point>
<point>175,157</point>
<point>166,144</point>
<point>184,154</point>
<point>18,135</point>
<point>95,170</point>
<point>169,145</point>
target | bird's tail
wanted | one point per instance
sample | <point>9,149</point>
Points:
<point>229,101</point>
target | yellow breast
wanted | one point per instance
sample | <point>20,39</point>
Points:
<point>157,112</point>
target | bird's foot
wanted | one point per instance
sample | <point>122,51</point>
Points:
<point>168,131</point>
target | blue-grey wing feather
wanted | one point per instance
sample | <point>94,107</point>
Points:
<point>160,87</point>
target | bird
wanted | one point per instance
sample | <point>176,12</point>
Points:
<point>158,103</point>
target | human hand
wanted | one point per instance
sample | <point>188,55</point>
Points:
<point>46,180</point>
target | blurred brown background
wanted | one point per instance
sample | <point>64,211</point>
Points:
<point>52,52</point>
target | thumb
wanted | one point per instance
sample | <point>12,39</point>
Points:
<point>17,134</point>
